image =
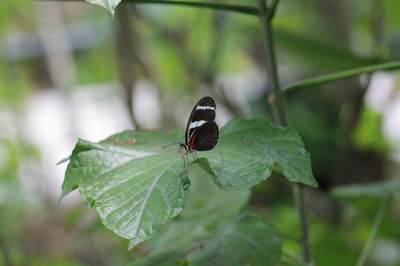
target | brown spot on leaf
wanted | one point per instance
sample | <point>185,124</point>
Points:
<point>117,141</point>
<point>131,141</point>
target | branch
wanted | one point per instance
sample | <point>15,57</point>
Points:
<point>248,10</point>
<point>276,100</point>
<point>319,80</point>
<point>275,97</point>
<point>272,9</point>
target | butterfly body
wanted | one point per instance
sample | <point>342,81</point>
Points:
<point>201,132</point>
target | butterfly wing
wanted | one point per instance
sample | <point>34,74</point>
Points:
<point>203,112</point>
<point>205,137</point>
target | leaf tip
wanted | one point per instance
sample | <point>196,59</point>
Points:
<point>110,5</point>
<point>66,190</point>
<point>311,182</point>
<point>63,194</point>
<point>132,243</point>
<point>64,160</point>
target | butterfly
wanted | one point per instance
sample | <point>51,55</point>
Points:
<point>201,132</point>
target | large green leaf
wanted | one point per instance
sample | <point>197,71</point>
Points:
<point>246,240</point>
<point>136,186</point>
<point>388,188</point>
<point>249,149</point>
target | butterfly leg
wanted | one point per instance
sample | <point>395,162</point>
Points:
<point>193,155</point>
<point>184,160</point>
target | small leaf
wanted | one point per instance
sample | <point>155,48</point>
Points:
<point>110,5</point>
<point>248,150</point>
<point>388,188</point>
<point>246,240</point>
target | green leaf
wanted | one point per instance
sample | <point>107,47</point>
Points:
<point>110,5</point>
<point>245,241</point>
<point>134,184</point>
<point>388,188</point>
<point>248,150</point>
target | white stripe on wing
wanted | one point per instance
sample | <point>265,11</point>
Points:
<point>197,124</point>
<point>202,107</point>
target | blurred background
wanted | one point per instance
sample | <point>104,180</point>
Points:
<point>69,70</point>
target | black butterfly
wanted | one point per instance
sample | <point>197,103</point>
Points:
<point>201,130</point>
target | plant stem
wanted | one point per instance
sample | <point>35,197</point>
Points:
<point>375,227</point>
<point>276,100</point>
<point>275,97</point>
<point>272,9</point>
<point>226,7</point>
<point>248,10</point>
<point>298,192</point>
<point>342,75</point>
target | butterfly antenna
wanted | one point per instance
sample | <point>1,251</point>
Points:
<point>169,145</point>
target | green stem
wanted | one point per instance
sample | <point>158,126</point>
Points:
<point>272,9</point>
<point>377,222</point>
<point>276,100</point>
<point>275,97</point>
<point>298,191</point>
<point>341,75</point>
<point>248,10</point>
